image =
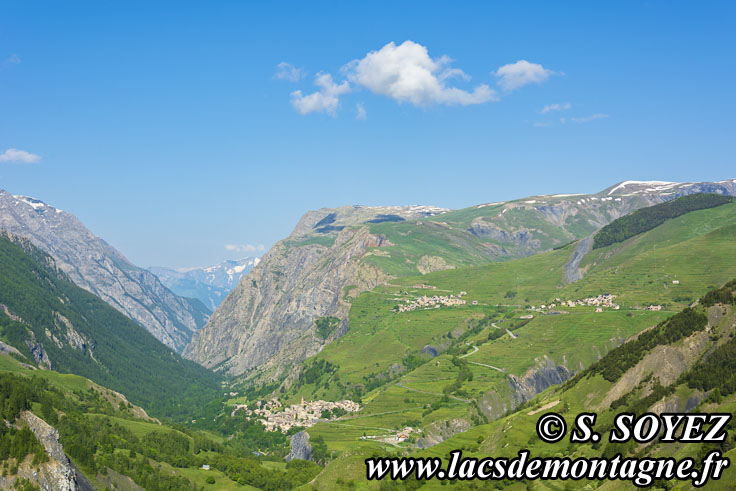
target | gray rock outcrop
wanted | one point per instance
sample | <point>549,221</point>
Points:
<point>430,350</point>
<point>439,431</point>
<point>57,474</point>
<point>573,272</point>
<point>537,379</point>
<point>300,447</point>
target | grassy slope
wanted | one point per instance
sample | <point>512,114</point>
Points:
<point>447,235</point>
<point>416,239</point>
<point>505,436</point>
<point>639,271</point>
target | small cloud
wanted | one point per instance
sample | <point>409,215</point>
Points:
<point>19,157</point>
<point>287,71</point>
<point>542,125</point>
<point>590,118</point>
<point>326,100</point>
<point>13,59</point>
<point>555,107</point>
<point>245,247</point>
<point>360,112</point>
<point>516,75</point>
<point>406,73</point>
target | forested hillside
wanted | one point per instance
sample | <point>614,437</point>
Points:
<point>648,218</point>
<point>115,445</point>
<point>59,326</point>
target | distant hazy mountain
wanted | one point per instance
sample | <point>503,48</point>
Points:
<point>93,264</point>
<point>208,285</point>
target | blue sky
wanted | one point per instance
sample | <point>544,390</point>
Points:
<point>167,129</point>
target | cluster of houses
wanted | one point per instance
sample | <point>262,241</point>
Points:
<point>433,302</point>
<point>305,414</point>
<point>600,301</point>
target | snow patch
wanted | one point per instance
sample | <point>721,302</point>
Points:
<point>654,185</point>
<point>427,209</point>
<point>237,269</point>
<point>32,202</point>
<point>490,204</point>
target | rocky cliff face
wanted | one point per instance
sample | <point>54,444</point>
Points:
<point>99,268</point>
<point>439,431</point>
<point>267,322</point>
<point>57,474</point>
<point>537,379</point>
<point>300,447</point>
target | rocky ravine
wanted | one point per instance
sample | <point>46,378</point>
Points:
<point>99,268</point>
<point>267,322</point>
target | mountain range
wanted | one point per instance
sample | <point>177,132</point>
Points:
<point>439,330</point>
<point>269,322</point>
<point>94,265</point>
<point>209,285</point>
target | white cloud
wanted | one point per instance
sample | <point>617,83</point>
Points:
<point>556,107</point>
<point>19,156</point>
<point>588,119</point>
<point>326,100</point>
<point>406,73</point>
<point>516,75</point>
<point>360,112</point>
<point>245,247</point>
<point>287,71</point>
<point>542,125</point>
<point>13,59</point>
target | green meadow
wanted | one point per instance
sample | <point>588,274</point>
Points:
<point>639,271</point>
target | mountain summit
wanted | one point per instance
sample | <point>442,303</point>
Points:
<point>209,285</point>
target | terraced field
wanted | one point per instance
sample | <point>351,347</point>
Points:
<point>640,272</point>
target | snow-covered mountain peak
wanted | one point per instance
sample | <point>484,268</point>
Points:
<point>209,284</point>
